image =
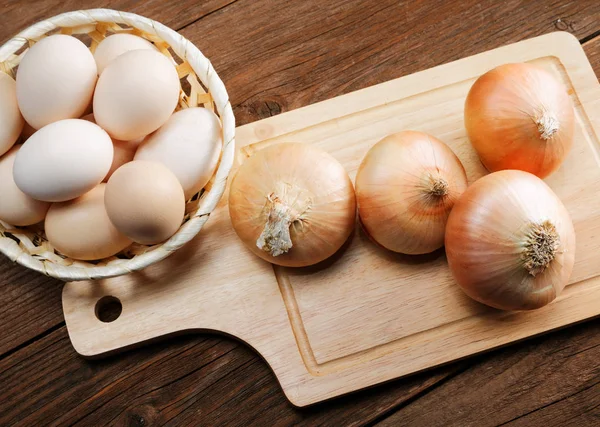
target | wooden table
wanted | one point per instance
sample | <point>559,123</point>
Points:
<point>276,56</point>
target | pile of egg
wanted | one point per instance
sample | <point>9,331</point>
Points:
<point>105,160</point>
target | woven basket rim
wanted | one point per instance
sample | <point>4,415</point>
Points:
<point>209,78</point>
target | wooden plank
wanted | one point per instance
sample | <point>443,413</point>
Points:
<point>369,316</point>
<point>581,408</point>
<point>30,377</point>
<point>592,50</point>
<point>17,15</point>
<point>338,31</point>
<point>300,53</point>
<point>234,38</point>
<point>521,383</point>
<point>184,381</point>
<point>30,305</point>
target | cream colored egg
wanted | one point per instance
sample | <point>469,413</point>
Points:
<point>123,151</point>
<point>136,94</point>
<point>144,200</point>
<point>63,160</point>
<point>11,121</point>
<point>55,80</point>
<point>189,144</point>
<point>80,228</point>
<point>17,208</point>
<point>116,45</point>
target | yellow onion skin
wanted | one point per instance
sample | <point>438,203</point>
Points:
<point>310,186</point>
<point>399,206</point>
<point>518,116</point>
<point>494,231</point>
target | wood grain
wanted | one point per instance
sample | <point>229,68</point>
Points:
<point>552,381</point>
<point>30,305</point>
<point>238,35</point>
<point>17,15</point>
<point>365,316</point>
<point>292,54</point>
<point>181,381</point>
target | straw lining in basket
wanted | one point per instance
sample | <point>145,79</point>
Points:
<point>28,245</point>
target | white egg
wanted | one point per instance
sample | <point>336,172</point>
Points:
<point>136,94</point>
<point>189,144</point>
<point>63,160</point>
<point>116,45</point>
<point>55,80</point>
<point>11,121</point>
<point>16,207</point>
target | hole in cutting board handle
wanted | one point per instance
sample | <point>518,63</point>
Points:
<point>108,309</point>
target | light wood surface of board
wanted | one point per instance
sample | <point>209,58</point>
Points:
<point>366,315</point>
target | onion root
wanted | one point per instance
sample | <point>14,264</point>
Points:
<point>541,247</point>
<point>437,186</point>
<point>275,238</point>
<point>547,124</point>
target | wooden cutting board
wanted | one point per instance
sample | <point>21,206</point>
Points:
<point>366,315</point>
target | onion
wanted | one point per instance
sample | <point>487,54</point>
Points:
<point>518,116</point>
<point>405,187</point>
<point>292,204</point>
<point>510,241</point>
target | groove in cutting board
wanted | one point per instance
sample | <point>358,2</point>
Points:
<point>366,315</point>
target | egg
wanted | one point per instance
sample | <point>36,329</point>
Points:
<point>124,151</point>
<point>55,80</point>
<point>63,160</point>
<point>80,228</point>
<point>11,121</point>
<point>144,200</point>
<point>17,208</point>
<point>136,94</point>
<point>116,45</point>
<point>189,144</point>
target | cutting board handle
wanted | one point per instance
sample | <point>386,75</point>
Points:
<point>213,283</point>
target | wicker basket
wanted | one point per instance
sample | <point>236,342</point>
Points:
<point>200,87</point>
